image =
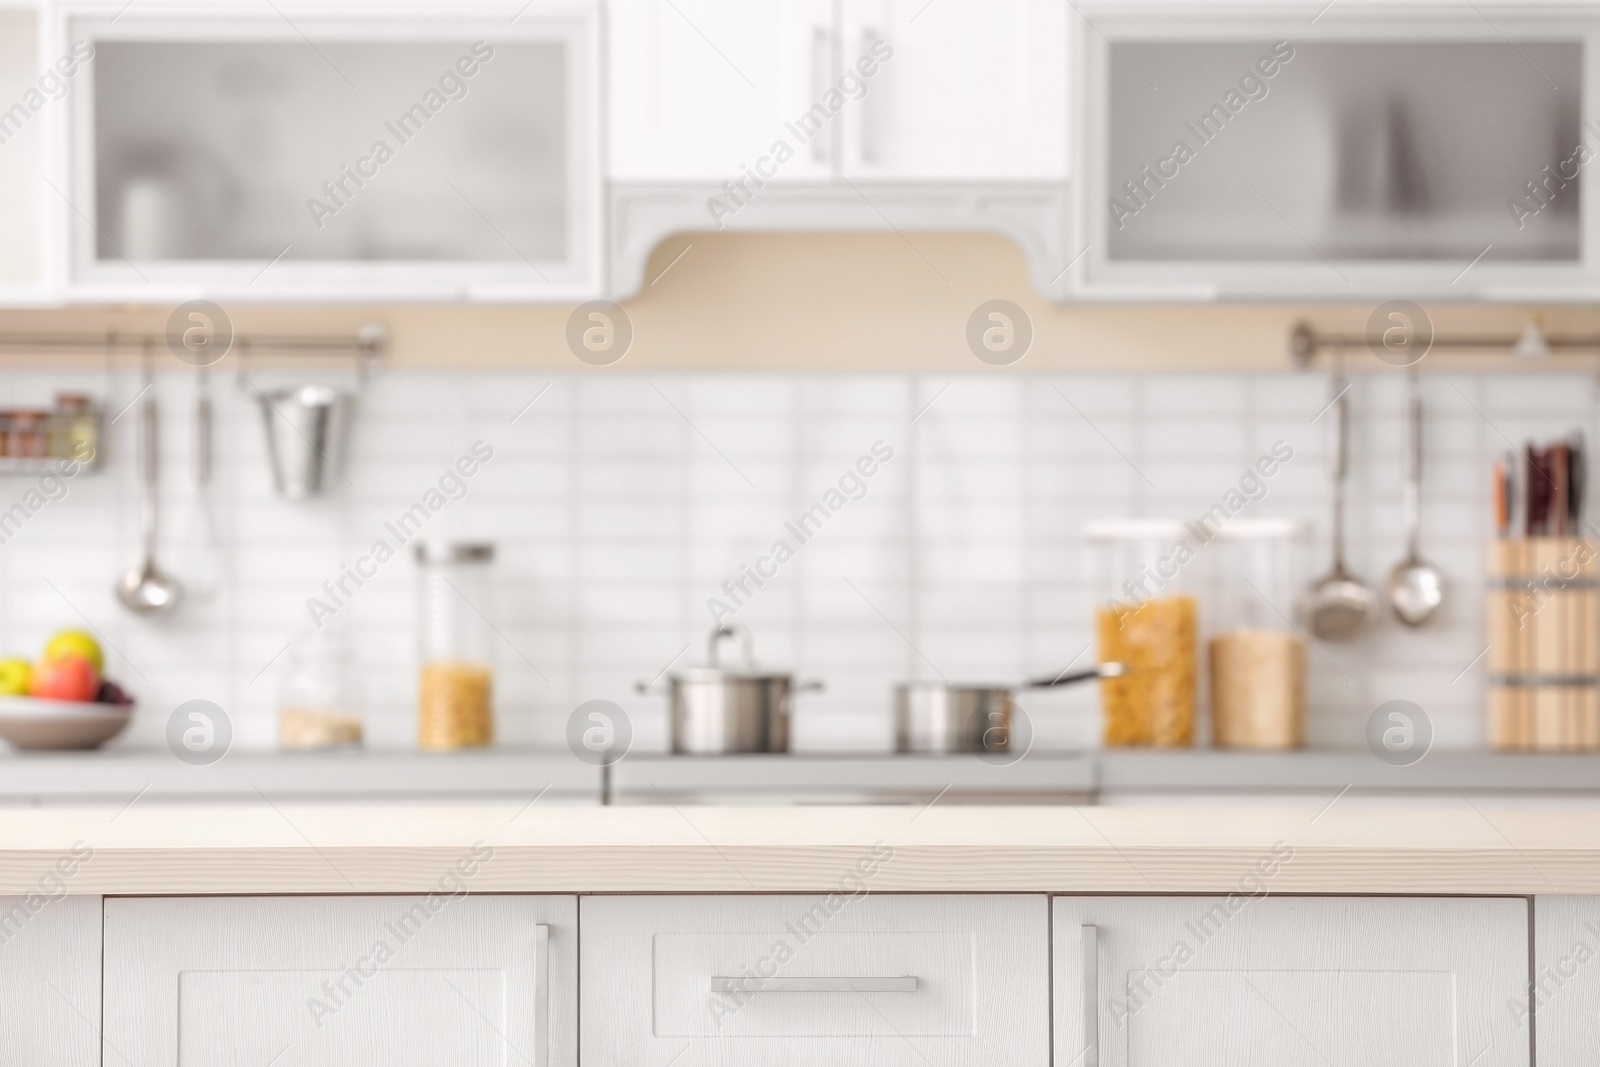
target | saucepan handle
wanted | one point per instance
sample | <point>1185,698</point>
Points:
<point>1104,670</point>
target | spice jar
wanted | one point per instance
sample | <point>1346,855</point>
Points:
<point>455,689</point>
<point>320,704</point>
<point>1257,659</point>
<point>1147,619</point>
<point>28,434</point>
<point>75,432</point>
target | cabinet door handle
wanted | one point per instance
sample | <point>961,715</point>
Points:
<point>541,995</point>
<point>821,71</point>
<point>870,132</point>
<point>1089,953</point>
<point>735,984</point>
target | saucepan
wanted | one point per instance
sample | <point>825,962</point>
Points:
<point>719,711</point>
<point>939,718</point>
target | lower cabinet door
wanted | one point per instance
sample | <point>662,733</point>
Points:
<point>854,981</point>
<point>1563,1002</point>
<point>402,981</point>
<point>1290,981</point>
<point>50,976</point>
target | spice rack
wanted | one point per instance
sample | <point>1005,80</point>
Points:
<point>35,440</point>
<point>1544,660</point>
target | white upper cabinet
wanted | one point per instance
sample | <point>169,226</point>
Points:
<point>703,89</point>
<point>333,153</point>
<point>1371,152</point>
<point>816,90</point>
<point>963,90</point>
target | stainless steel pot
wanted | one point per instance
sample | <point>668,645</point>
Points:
<point>717,711</point>
<point>932,717</point>
<point>936,718</point>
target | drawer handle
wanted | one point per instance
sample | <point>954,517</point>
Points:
<point>725,984</point>
<point>541,995</point>
<point>1089,950</point>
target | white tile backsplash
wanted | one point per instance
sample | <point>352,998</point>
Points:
<point>620,504</point>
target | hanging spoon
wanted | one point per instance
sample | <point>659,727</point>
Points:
<point>1416,588</point>
<point>145,590</point>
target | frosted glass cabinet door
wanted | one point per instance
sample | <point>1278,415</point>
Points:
<point>1269,157</point>
<point>336,157</point>
<point>1290,981</point>
<point>401,981</point>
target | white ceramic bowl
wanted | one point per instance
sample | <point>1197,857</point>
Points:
<point>30,723</point>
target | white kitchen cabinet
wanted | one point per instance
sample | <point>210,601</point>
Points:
<point>770,981</point>
<point>958,90</point>
<point>1563,1003</point>
<point>337,152</point>
<point>1290,981</point>
<point>24,104</point>
<point>703,89</point>
<point>404,981</point>
<point>1252,152</point>
<point>972,90</point>
<point>50,978</point>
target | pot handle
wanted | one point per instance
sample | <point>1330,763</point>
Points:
<point>1104,670</point>
<point>745,645</point>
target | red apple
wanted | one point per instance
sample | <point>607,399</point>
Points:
<point>66,678</point>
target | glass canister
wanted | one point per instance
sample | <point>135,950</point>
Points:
<point>320,702</point>
<point>1256,657</point>
<point>1147,577</point>
<point>455,690</point>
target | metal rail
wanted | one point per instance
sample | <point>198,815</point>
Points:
<point>369,343</point>
<point>1305,343</point>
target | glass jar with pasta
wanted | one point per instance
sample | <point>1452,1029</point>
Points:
<point>455,688</point>
<point>1147,573</point>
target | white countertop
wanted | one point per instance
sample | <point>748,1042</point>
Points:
<point>1467,847</point>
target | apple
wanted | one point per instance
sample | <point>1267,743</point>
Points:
<point>14,677</point>
<point>66,678</point>
<point>76,643</point>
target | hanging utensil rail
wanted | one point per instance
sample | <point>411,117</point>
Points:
<point>369,343</point>
<point>1306,343</point>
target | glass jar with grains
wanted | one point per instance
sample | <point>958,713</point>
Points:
<point>455,689</point>
<point>1257,658</point>
<point>320,703</point>
<point>1146,574</point>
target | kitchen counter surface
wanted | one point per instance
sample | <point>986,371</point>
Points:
<point>514,775</point>
<point>1462,847</point>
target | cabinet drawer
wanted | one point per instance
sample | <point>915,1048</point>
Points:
<point>1290,981</point>
<point>772,980</point>
<point>333,981</point>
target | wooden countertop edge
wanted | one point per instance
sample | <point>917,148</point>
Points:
<point>707,868</point>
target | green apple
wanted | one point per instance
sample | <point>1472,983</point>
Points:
<point>70,643</point>
<point>15,674</point>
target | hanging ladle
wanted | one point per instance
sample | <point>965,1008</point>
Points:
<point>145,590</point>
<point>1416,587</point>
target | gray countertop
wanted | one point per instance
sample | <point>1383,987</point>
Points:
<point>555,776</point>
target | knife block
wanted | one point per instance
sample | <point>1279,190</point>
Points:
<point>1544,662</point>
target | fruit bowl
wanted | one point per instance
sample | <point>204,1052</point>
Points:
<point>34,723</point>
